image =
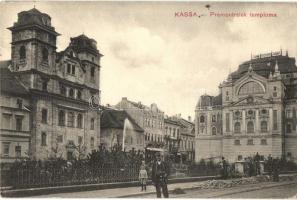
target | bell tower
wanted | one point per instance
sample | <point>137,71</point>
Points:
<point>33,43</point>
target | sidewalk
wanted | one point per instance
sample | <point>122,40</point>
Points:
<point>135,192</point>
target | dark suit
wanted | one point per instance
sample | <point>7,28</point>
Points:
<point>160,174</point>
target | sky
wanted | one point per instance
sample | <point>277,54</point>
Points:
<point>153,56</point>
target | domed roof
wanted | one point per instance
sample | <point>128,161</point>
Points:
<point>33,17</point>
<point>82,42</point>
<point>263,66</point>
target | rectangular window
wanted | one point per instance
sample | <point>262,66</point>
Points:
<point>263,142</point>
<point>92,142</point>
<point>19,122</point>
<point>73,69</point>
<point>227,122</point>
<point>236,142</point>
<point>68,68</point>
<point>250,142</point>
<point>289,128</point>
<point>20,103</point>
<point>43,139</point>
<point>92,124</point>
<point>44,85</point>
<point>60,139</point>
<point>239,157</point>
<point>6,121</point>
<point>92,72</point>
<point>70,118</point>
<point>5,149</point>
<point>44,116</point>
<point>274,119</point>
<point>289,114</point>
<point>18,151</point>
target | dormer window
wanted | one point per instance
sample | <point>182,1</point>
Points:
<point>45,54</point>
<point>23,52</point>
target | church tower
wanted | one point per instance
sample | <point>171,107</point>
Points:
<point>33,46</point>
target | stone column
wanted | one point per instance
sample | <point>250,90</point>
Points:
<point>270,127</point>
<point>231,122</point>
<point>257,122</point>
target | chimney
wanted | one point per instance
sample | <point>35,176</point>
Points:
<point>179,115</point>
<point>189,119</point>
<point>124,99</point>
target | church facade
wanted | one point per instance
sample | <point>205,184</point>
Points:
<point>255,112</point>
<point>58,119</point>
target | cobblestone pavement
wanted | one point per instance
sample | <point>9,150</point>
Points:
<point>260,190</point>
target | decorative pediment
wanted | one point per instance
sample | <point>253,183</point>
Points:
<point>251,100</point>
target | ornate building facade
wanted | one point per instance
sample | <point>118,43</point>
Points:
<point>58,87</point>
<point>255,111</point>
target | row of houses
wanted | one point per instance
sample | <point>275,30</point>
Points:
<point>50,101</point>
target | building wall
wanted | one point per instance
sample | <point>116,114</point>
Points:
<point>113,136</point>
<point>267,104</point>
<point>10,136</point>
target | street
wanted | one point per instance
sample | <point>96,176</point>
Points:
<point>259,190</point>
<point>243,191</point>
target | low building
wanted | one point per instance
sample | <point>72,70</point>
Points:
<point>15,117</point>
<point>118,123</point>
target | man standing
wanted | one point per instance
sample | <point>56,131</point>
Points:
<point>160,174</point>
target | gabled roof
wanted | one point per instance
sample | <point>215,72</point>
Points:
<point>173,121</point>
<point>8,82</point>
<point>115,119</point>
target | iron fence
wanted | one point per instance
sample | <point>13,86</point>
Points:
<point>30,178</point>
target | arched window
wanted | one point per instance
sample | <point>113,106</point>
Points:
<point>78,94</point>
<point>63,90</point>
<point>22,52</point>
<point>44,54</point>
<point>70,119</point>
<point>214,131</point>
<point>79,121</point>
<point>71,93</point>
<point>202,119</point>
<point>61,118</point>
<point>44,116</point>
<point>263,126</point>
<point>251,87</point>
<point>237,127</point>
<point>250,127</point>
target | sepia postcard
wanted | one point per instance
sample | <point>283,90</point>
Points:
<point>148,99</point>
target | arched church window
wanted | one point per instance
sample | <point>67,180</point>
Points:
<point>214,131</point>
<point>44,54</point>
<point>22,52</point>
<point>250,127</point>
<point>237,127</point>
<point>202,119</point>
<point>263,126</point>
<point>251,87</point>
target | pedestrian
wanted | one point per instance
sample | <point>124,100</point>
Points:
<point>143,176</point>
<point>224,168</point>
<point>160,172</point>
